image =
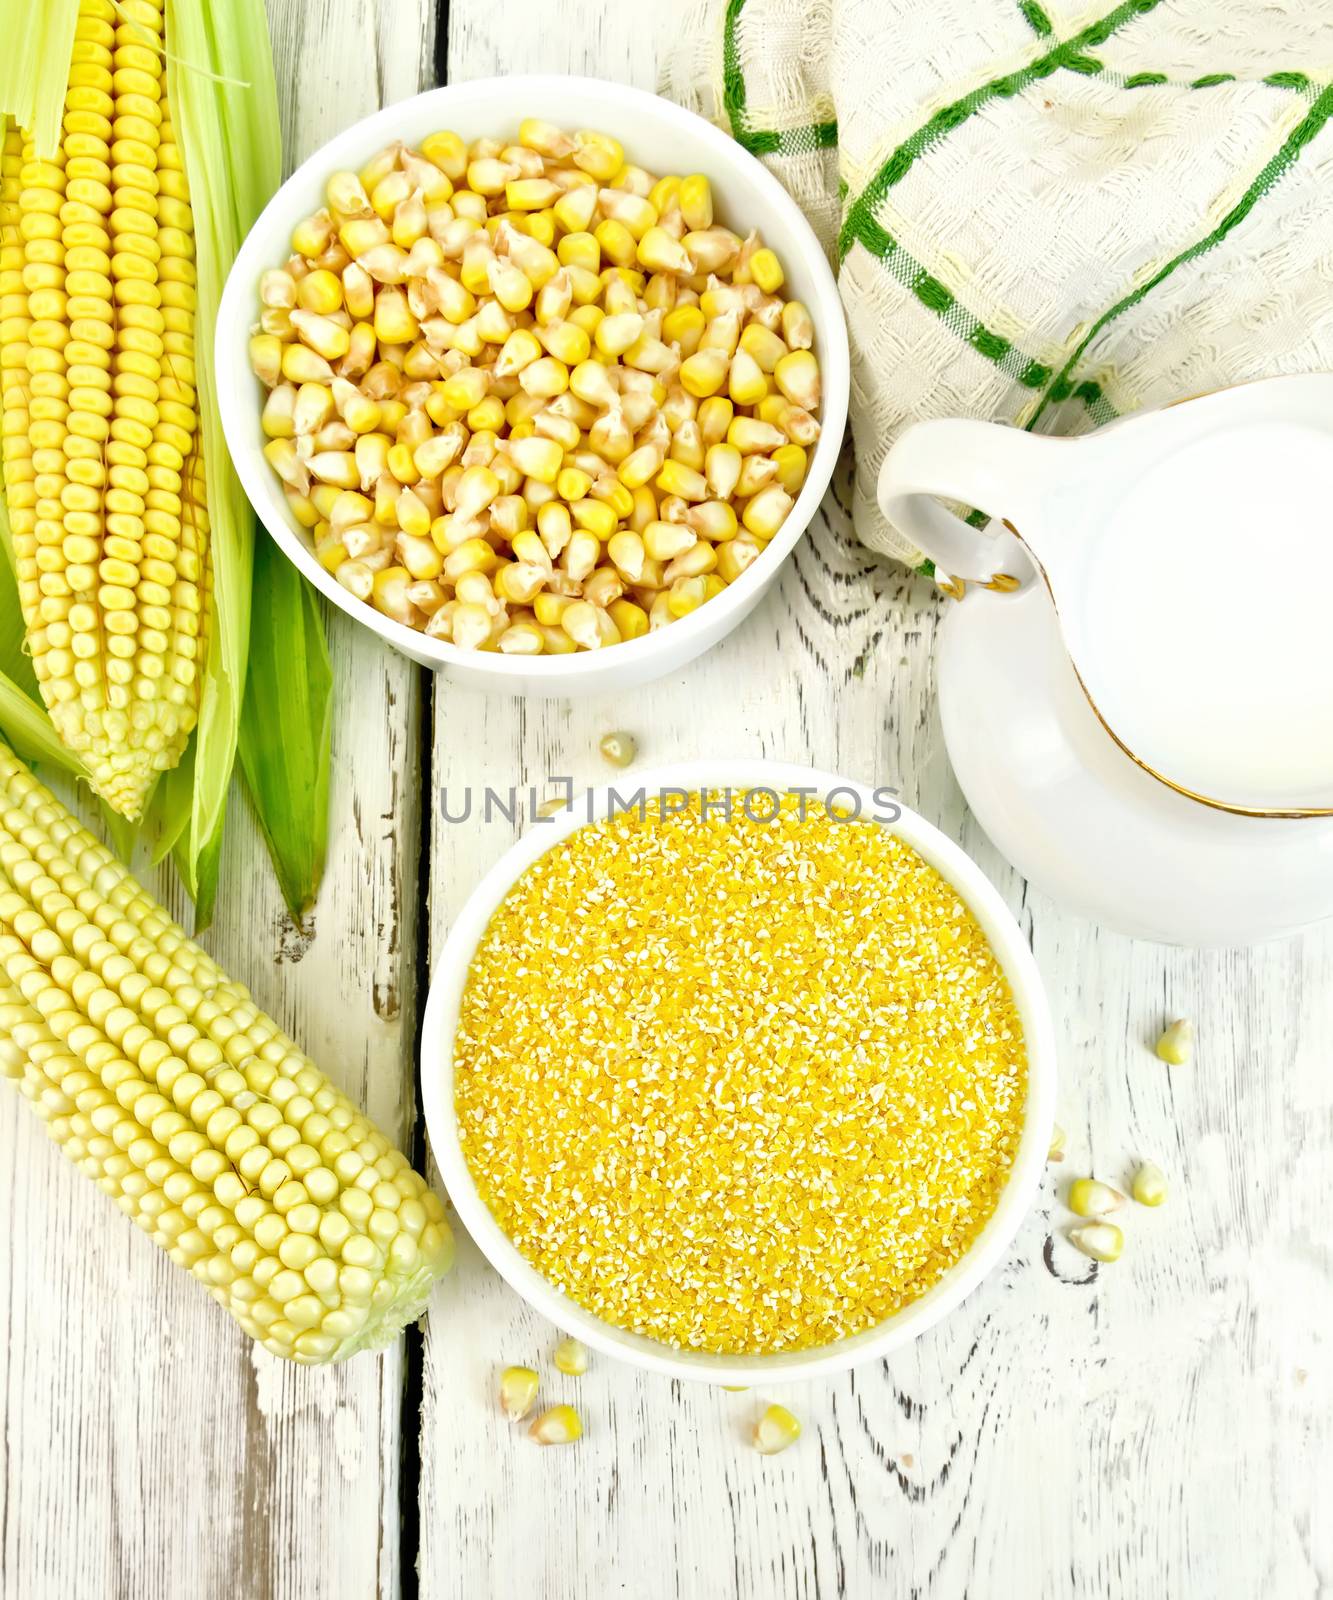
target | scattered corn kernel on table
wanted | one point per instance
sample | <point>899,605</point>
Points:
<point>1160,1426</point>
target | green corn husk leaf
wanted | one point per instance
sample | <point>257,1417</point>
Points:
<point>287,724</point>
<point>34,65</point>
<point>224,53</point>
<point>224,105</point>
<point>233,155</point>
<point>14,660</point>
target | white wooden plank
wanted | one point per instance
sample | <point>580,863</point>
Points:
<point>145,1446</point>
<point>1159,1428</point>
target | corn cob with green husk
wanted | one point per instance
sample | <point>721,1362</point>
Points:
<point>103,474</point>
<point>165,1083</point>
<point>139,139</point>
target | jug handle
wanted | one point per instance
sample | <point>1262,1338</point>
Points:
<point>998,469</point>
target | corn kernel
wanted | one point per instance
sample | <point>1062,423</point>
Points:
<point>567,342</point>
<point>613,493</point>
<point>589,626</point>
<point>278,418</point>
<point>558,643</point>
<point>1149,1186</point>
<point>549,608</point>
<point>473,555</point>
<point>487,416</point>
<point>616,242</point>
<point>589,381</point>
<point>471,626</point>
<point>766,513</point>
<point>335,467</point>
<point>686,595</point>
<point>559,1425</point>
<point>594,516</point>
<point>419,556</point>
<point>611,436</point>
<point>711,249</point>
<point>598,154</point>
<point>570,1356</point>
<point>665,194</point>
<point>640,465</point>
<point>626,550</point>
<point>714,520</point>
<point>1103,1241</point>
<point>687,445</point>
<point>752,437</point>
<point>722,469</point>
<point>553,424</point>
<point>579,249</point>
<point>1176,1044</point>
<point>765,347</point>
<point>604,586</point>
<point>615,334</point>
<point>766,270</point>
<point>696,562</point>
<point>644,509</point>
<point>518,1391</point>
<point>797,328</point>
<point>545,377</point>
<point>746,383</point>
<point>536,458</point>
<point>554,525</point>
<point>677,479</point>
<point>704,373</point>
<point>684,327</point>
<point>519,583</point>
<point>757,472</point>
<point>637,214</point>
<point>319,291</point>
<point>466,388</point>
<point>659,252</point>
<point>696,203</point>
<point>775,1430</point>
<point>663,541</point>
<point>1089,1198</point>
<point>797,375</point>
<point>631,620</point>
<point>311,237</point>
<point>531,194</point>
<point>735,557</point>
<point>413,516</point>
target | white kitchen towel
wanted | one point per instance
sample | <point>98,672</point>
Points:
<point>1046,214</point>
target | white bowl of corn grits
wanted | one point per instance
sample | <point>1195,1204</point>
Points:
<point>664,139</point>
<point>736,1100</point>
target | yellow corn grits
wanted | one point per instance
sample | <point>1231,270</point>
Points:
<point>740,1086</point>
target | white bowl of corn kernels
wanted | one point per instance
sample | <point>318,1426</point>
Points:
<point>739,1095</point>
<point>539,378</point>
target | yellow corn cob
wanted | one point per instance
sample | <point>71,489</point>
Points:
<point>166,1084</point>
<point>102,468</point>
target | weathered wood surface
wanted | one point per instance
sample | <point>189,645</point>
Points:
<point>1161,1427</point>
<point>147,1447</point>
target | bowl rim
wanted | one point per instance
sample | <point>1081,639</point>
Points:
<point>440,1017</point>
<point>238,306</point>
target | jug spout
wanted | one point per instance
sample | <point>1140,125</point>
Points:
<point>1008,474</point>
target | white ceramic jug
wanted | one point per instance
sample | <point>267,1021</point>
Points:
<point>1136,687</point>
